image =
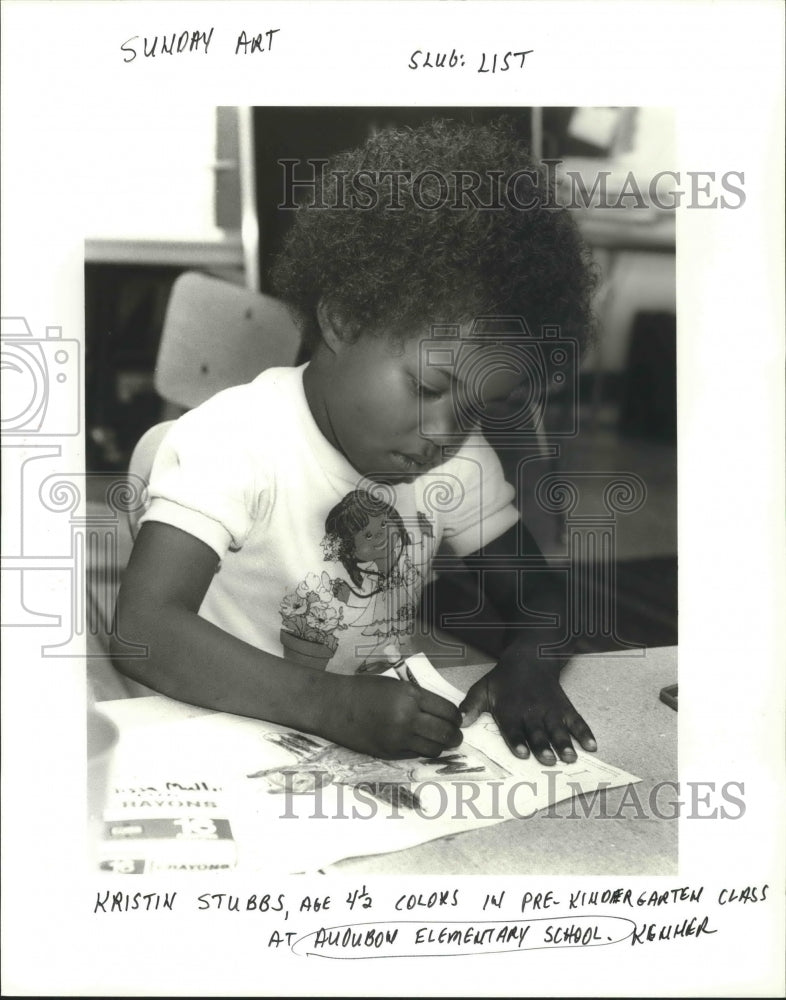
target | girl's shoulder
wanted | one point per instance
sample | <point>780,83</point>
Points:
<point>243,410</point>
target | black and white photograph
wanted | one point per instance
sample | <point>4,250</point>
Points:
<point>495,487</point>
<point>387,448</point>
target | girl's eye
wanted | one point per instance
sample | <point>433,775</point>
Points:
<point>369,535</point>
<point>424,391</point>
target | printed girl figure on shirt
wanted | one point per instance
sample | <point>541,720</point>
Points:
<point>367,536</point>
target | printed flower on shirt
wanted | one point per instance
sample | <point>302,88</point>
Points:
<point>315,587</point>
<point>406,615</point>
<point>293,604</point>
<point>310,613</point>
<point>322,616</point>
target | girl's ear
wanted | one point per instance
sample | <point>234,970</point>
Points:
<point>331,326</point>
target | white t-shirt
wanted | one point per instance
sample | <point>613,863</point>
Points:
<point>250,474</point>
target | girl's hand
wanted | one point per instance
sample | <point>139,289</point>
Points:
<point>532,711</point>
<point>390,718</point>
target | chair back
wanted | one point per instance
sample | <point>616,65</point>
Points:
<point>218,335</point>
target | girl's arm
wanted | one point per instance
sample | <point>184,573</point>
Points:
<point>191,659</point>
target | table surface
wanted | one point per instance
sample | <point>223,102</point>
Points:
<point>618,694</point>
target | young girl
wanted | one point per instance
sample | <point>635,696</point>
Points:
<point>404,244</point>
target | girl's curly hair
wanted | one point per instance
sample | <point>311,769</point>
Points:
<point>402,269</point>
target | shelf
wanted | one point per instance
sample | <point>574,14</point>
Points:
<point>227,252</point>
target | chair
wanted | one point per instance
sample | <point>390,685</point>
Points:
<point>216,335</point>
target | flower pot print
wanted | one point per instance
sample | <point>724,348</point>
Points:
<point>310,619</point>
<point>305,651</point>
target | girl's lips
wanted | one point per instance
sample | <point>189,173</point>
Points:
<point>417,461</point>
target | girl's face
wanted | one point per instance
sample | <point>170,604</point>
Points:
<point>389,412</point>
<point>374,542</point>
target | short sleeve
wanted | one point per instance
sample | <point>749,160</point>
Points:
<point>204,479</point>
<point>478,504</point>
